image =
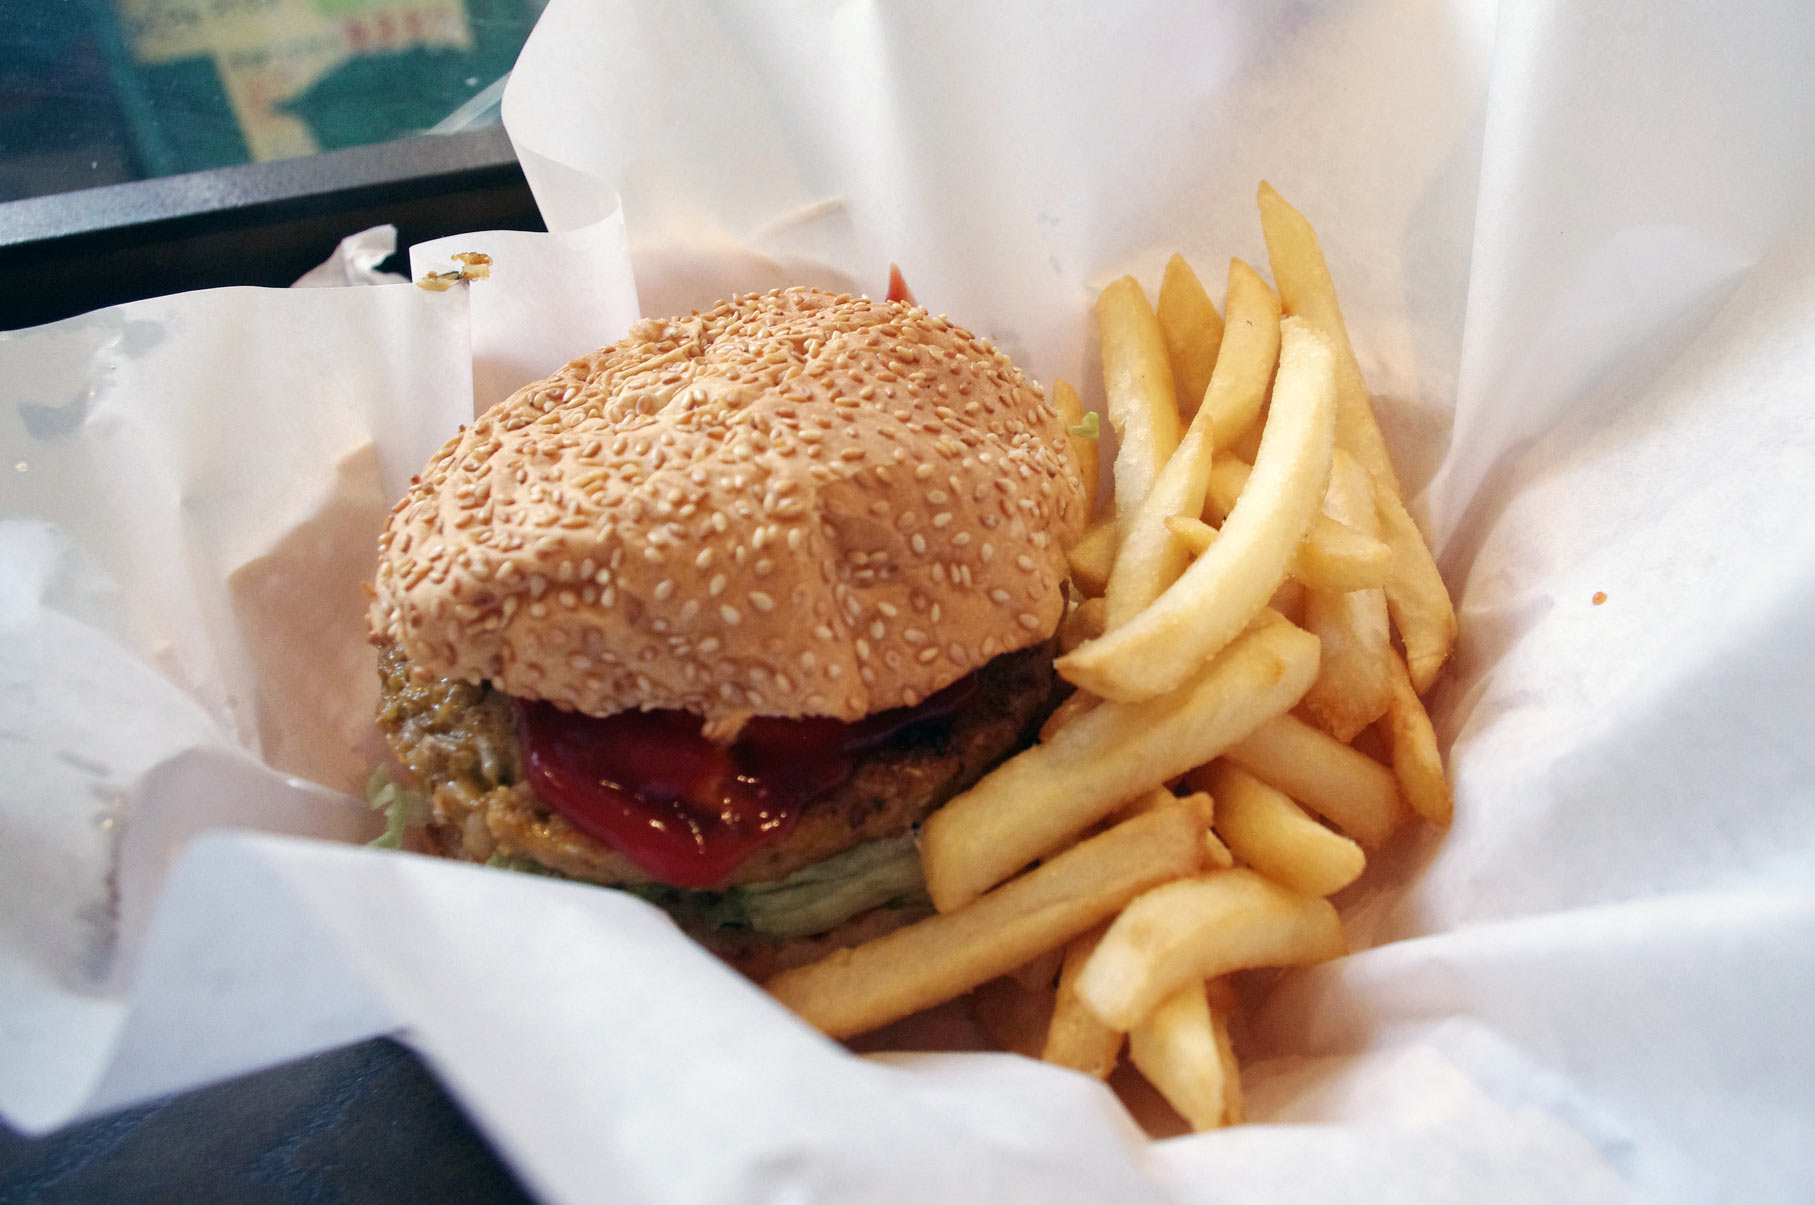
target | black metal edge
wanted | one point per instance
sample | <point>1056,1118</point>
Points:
<point>265,224</point>
<point>314,181</point>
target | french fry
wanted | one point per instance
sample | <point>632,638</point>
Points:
<point>1193,331</point>
<point>1071,412</point>
<point>1269,832</point>
<point>1349,789</point>
<point>1223,590</point>
<point>1148,560</point>
<point>1040,972</point>
<point>1195,929</point>
<point>1137,379</point>
<point>1246,446</point>
<point>1160,797</point>
<point>1193,534</point>
<point>1077,703</point>
<point>1289,601</point>
<point>1075,1038</point>
<point>1032,803</point>
<point>1332,556</point>
<point>1175,1048</point>
<point>1353,686</point>
<point>1092,558</point>
<point>858,989</point>
<point>1216,854</point>
<point>1015,1017</point>
<point>1235,400</point>
<point>1234,1108</point>
<point>1415,592</point>
<point>1085,622</point>
<point>1416,762</point>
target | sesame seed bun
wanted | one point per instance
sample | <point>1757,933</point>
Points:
<point>792,504</point>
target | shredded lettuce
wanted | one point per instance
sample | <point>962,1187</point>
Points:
<point>876,874</point>
<point>818,897</point>
<point>403,809</point>
<point>1088,429</point>
<point>500,861</point>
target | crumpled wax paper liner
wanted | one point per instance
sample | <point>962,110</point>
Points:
<point>1576,248</point>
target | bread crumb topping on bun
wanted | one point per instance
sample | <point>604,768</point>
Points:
<point>793,504</point>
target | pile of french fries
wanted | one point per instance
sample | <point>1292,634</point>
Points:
<point>1243,729</point>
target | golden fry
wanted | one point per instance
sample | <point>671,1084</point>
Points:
<point>1193,534</point>
<point>1223,590</point>
<point>1195,929</point>
<point>1148,560</point>
<point>1137,379</point>
<point>1417,764</point>
<point>937,959</point>
<point>1269,832</point>
<point>1193,331</point>
<point>1332,556</point>
<point>1235,398</point>
<point>1234,1108</point>
<point>1349,789</point>
<point>1035,801</point>
<point>1416,595</point>
<point>1289,601</point>
<point>1077,703</point>
<point>1076,1039</point>
<point>1175,1048</point>
<point>1092,558</point>
<point>1353,686</point>
<point>1084,622</point>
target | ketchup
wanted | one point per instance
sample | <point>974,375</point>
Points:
<point>685,809</point>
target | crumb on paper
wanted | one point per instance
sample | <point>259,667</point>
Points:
<point>473,265</point>
<point>1600,596</point>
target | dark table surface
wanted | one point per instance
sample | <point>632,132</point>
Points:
<point>366,1123</point>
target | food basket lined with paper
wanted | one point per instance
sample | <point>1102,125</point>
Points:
<point>1528,997</point>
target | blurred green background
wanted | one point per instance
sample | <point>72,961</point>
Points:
<point>96,92</point>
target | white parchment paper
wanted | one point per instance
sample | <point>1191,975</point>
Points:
<point>1576,248</point>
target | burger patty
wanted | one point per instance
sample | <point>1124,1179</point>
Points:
<point>459,743</point>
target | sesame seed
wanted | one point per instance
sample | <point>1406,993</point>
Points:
<point>762,602</point>
<point>1028,620</point>
<point>729,614</point>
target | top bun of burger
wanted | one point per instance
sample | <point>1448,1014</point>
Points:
<point>792,504</point>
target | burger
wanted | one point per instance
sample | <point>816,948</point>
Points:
<point>719,613</point>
